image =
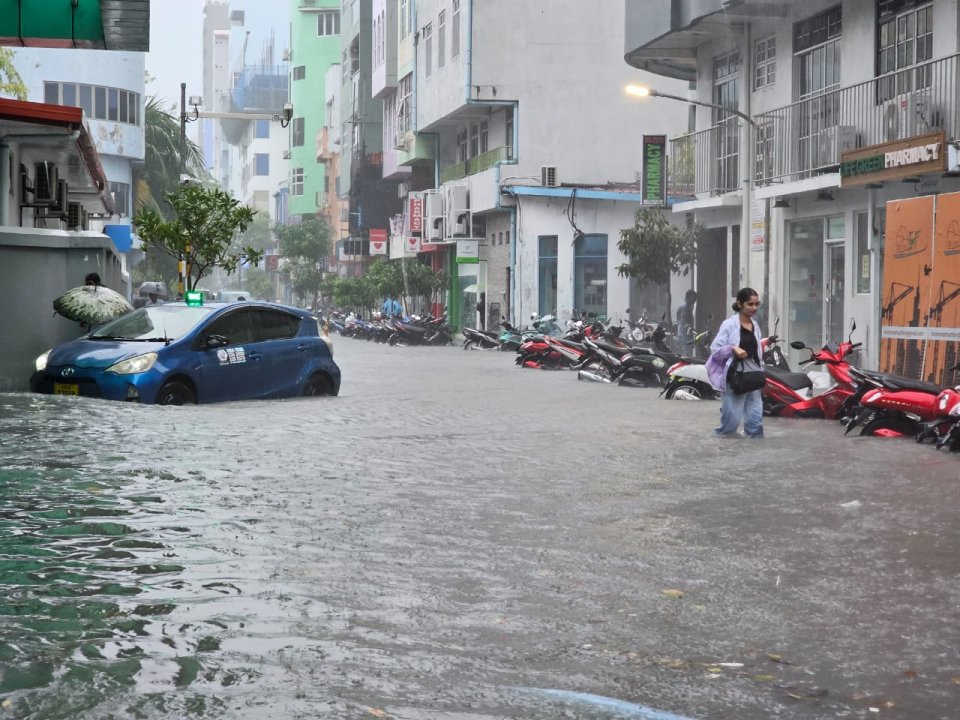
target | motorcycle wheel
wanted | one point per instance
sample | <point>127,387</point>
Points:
<point>891,427</point>
<point>597,368</point>
<point>684,391</point>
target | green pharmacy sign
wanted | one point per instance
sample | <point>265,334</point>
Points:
<point>654,169</point>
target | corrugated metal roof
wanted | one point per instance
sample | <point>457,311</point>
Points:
<point>126,24</point>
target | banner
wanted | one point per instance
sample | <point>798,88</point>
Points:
<point>412,244</point>
<point>654,182</point>
<point>378,241</point>
<point>416,213</point>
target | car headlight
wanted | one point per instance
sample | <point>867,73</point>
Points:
<point>41,361</point>
<point>134,365</point>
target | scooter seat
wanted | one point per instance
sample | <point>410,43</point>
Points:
<point>571,344</point>
<point>796,381</point>
<point>900,383</point>
<point>617,350</point>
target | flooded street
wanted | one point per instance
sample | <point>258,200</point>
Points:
<point>453,537</point>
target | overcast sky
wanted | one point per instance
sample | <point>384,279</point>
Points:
<point>176,49</point>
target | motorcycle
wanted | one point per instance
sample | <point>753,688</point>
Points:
<point>893,406</point>
<point>480,339</point>
<point>944,429</point>
<point>812,395</point>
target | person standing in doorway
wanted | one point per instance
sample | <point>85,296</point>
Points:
<point>737,339</point>
<point>685,324</point>
<point>482,309</point>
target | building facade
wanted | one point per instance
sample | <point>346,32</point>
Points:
<point>837,96</point>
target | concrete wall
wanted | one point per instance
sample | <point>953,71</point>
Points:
<point>36,267</point>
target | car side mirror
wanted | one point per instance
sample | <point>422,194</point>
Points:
<point>798,345</point>
<point>215,341</point>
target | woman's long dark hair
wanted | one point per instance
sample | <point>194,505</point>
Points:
<point>742,296</point>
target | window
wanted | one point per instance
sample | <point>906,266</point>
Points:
<point>237,327</point>
<point>98,103</point>
<point>121,198</point>
<point>816,44</point>
<point>765,63</point>
<point>298,132</point>
<point>726,93</point>
<point>300,72</point>
<point>590,274</point>
<point>328,23</point>
<point>403,110</point>
<point>262,129</point>
<point>455,30</point>
<point>276,325</point>
<point>261,164</point>
<point>462,146</point>
<point>427,48</point>
<point>296,182</point>
<point>905,39</point>
<point>404,18</point>
<point>484,132</point>
<point>509,133</point>
<point>547,275</point>
<point>474,140</point>
<point>441,39</point>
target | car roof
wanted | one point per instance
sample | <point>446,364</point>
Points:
<point>220,306</point>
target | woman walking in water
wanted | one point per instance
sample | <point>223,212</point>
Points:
<point>738,339</point>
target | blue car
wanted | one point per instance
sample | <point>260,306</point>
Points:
<point>174,354</point>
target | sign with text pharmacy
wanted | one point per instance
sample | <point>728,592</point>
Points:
<point>654,169</point>
<point>911,157</point>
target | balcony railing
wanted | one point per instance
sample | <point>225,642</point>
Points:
<point>706,161</point>
<point>481,162</point>
<point>810,136</point>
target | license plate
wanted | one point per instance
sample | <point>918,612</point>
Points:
<point>66,389</point>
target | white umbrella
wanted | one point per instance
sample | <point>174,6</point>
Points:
<point>91,305</point>
<point>471,288</point>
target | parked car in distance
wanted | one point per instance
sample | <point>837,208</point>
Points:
<point>175,354</point>
<point>233,295</point>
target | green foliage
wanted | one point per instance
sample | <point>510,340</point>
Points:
<point>385,278</point>
<point>11,84</point>
<point>259,283</point>
<point>656,250</point>
<point>353,292</point>
<point>207,220</point>
<point>305,247</point>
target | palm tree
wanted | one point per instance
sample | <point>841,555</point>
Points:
<point>160,173</point>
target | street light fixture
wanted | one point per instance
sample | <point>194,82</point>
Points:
<point>642,91</point>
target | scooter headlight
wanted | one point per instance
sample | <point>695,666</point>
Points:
<point>134,365</point>
<point>942,405</point>
<point>41,362</point>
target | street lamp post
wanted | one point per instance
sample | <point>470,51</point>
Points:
<point>747,200</point>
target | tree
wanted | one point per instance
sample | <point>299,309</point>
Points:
<point>353,292</point>
<point>207,219</point>
<point>306,246</point>
<point>161,158</point>
<point>656,250</point>
<point>259,284</point>
<point>385,279</point>
<point>11,84</point>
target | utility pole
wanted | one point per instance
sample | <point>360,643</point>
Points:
<point>182,261</point>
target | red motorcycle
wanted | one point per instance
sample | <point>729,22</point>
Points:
<point>894,406</point>
<point>945,429</point>
<point>789,394</point>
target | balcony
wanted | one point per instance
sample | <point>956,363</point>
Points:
<point>706,162</point>
<point>809,137</point>
<point>481,162</point>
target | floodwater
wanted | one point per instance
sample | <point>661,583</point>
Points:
<point>454,537</point>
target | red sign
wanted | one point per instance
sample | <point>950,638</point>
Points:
<point>413,244</point>
<point>416,215</point>
<point>378,241</point>
<point>271,263</point>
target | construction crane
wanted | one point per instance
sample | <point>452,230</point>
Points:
<point>894,301</point>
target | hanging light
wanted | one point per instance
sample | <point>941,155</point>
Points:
<point>781,202</point>
<point>825,195</point>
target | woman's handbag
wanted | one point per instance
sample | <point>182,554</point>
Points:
<point>745,376</point>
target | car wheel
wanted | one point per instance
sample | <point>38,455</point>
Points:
<point>175,393</point>
<point>317,385</point>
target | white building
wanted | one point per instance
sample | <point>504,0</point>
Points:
<point>108,86</point>
<point>818,79</point>
<point>263,165</point>
<point>522,112</point>
<point>217,83</point>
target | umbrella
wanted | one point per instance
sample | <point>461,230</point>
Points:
<point>471,288</point>
<point>155,288</point>
<point>91,305</point>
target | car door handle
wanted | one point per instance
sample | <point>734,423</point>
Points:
<point>254,356</point>
<point>303,348</point>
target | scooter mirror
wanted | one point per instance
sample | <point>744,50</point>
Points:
<point>798,345</point>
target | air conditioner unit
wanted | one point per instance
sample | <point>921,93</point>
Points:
<point>548,175</point>
<point>433,205</point>
<point>45,182</point>
<point>832,142</point>
<point>403,189</point>
<point>286,155</point>
<point>457,202</point>
<point>908,115</point>
<point>77,217</point>
<point>61,206</point>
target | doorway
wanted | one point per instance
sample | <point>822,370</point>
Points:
<point>711,279</point>
<point>833,292</point>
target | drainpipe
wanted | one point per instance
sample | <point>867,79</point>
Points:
<point>514,106</point>
<point>874,245</point>
<point>746,166</point>
<point>4,184</point>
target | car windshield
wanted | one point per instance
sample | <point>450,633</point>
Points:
<point>154,322</point>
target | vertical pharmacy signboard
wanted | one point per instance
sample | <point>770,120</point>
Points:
<point>654,169</point>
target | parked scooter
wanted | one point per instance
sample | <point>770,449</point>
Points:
<point>943,430</point>
<point>893,406</point>
<point>480,339</point>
